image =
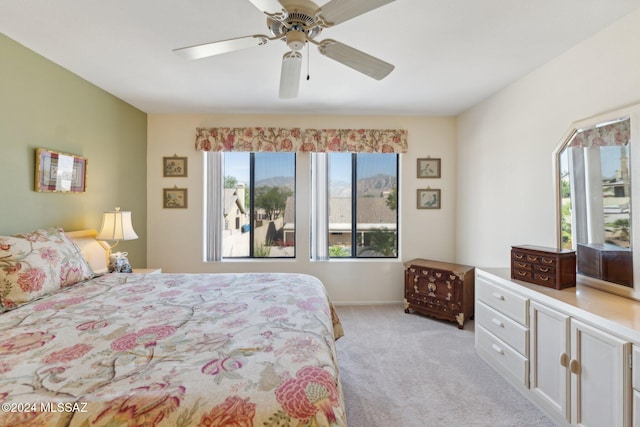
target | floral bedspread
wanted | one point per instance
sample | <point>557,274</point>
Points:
<point>173,349</point>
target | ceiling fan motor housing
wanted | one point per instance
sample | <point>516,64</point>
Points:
<point>299,25</point>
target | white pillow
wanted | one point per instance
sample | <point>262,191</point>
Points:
<point>94,253</point>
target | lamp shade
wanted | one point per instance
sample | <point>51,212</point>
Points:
<point>116,225</point>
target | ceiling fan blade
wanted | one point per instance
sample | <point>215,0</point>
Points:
<point>223,46</point>
<point>338,11</point>
<point>290,74</point>
<point>358,60</point>
<point>267,6</point>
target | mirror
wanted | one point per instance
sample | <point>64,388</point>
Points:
<point>595,186</point>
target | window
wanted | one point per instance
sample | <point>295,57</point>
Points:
<point>252,170</point>
<point>362,196</point>
<point>259,199</point>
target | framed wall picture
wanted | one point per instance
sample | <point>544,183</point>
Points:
<point>174,166</point>
<point>429,199</point>
<point>174,198</point>
<point>429,168</point>
<point>60,172</point>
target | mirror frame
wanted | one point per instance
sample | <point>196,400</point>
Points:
<point>633,113</point>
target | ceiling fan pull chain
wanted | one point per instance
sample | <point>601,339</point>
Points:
<point>308,55</point>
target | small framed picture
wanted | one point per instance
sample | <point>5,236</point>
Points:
<point>175,167</point>
<point>428,168</point>
<point>60,172</point>
<point>174,198</point>
<point>429,199</point>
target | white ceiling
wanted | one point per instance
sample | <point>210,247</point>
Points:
<point>449,54</point>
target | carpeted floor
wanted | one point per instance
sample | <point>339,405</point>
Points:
<point>405,370</point>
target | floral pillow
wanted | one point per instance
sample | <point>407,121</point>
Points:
<point>36,264</point>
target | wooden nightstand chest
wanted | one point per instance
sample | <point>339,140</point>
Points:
<point>439,289</point>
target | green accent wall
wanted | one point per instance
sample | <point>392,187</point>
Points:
<point>45,105</point>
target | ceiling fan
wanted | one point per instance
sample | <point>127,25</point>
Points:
<point>299,22</point>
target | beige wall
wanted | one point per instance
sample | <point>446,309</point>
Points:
<point>176,235</point>
<point>44,105</point>
<point>505,144</point>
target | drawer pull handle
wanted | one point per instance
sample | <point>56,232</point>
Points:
<point>497,349</point>
<point>521,264</point>
<point>564,359</point>
<point>544,269</point>
<point>522,273</point>
<point>519,256</point>
<point>497,322</point>
<point>574,366</point>
<point>547,261</point>
<point>498,296</point>
<point>544,278</point>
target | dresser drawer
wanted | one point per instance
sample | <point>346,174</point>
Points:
<point>512,333</point>
<point>526,275</point>
<point>537,277</point>
<point>544,269</point>
<point>544,279</point>
<point>506,302</point>
<point>524,256</point>
<point>521,265</point>
<point>502,357</point>
<point>541,259</point>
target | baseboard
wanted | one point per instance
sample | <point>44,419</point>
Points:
<point>359,302</point>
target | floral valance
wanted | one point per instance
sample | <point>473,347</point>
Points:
<point>258,139</point>
<point>356,140</point>
<point>248,139</point>
<point>617,133</point>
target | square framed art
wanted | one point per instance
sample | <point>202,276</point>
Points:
<point>175,166</point>
<point>60,172</point>
<point>429,168</point>
<point>175,198</point>
<point>429,199</point>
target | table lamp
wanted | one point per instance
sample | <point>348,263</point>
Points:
<point>116,226</point>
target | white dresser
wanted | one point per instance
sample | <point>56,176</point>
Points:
<point>570,351</point>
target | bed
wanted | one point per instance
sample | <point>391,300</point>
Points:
<point>84,349</point>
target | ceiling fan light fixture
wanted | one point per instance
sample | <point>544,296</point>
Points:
<point>290,75</point>
<point>296,39</point>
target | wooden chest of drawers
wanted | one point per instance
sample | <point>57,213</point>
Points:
<point>439,289</point>
<point>553,268</point>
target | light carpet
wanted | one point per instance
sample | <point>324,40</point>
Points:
<point>405,370</point>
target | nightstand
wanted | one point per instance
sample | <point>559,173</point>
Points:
<point>147,270</point>
<point>439,289</point>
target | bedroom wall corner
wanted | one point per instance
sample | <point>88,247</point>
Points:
<point>506,179</point>
<point>44,105</point>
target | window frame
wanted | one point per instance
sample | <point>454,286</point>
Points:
<point>354,210</point>
<point>252,210</point>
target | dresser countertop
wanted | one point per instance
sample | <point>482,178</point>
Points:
<point>599,307</point>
